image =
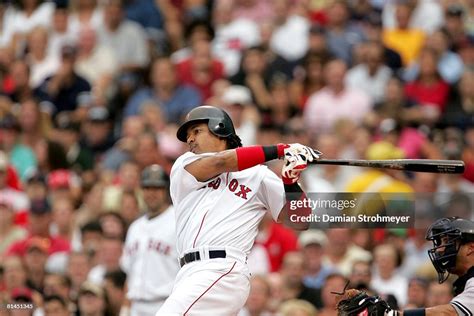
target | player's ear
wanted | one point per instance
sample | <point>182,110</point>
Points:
<point>470,249</point>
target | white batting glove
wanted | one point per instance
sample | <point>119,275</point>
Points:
<point>307,153</point>
<point>296,160</point>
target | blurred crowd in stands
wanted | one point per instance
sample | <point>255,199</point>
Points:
<point>92,91</point>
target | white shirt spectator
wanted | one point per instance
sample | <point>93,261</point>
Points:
<point>231,39</point>
<point>128,42</point>
<point>40,70</point>
<point>396,285</point>
<point>427,16</point>
<point>42,16</point>
<point>359,78</point>
<point>7,26</point>
<point>102,62</point>
<point>290,40</point>
<point>96,22</point>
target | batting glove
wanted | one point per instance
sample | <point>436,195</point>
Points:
<point>306,153</point>
<point>296,160</point>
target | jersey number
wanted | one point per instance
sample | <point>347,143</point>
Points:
<point>239,190</point>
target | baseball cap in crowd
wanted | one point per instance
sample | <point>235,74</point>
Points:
<point>35,177</point>
<point>68,51</point>
<point>59,179</point>
<point>98,114</point>
<point>9,122</point>
<point>22,294</point>
<point>312,236</point>
<point>92,288</point>
<point>384,150</point>
<point>236,94</point>
<point>455,10</point>
<point>3,161</point>
<point>65,122</point>
<point>39,207</point>
<point>38,243</point>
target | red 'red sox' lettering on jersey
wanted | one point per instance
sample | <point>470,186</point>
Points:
<point>239,190</point>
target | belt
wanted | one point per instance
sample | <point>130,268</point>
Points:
<point>194,256</point>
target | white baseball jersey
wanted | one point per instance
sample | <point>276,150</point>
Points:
<point>149,257</point>
<point>464,302</point>
<point>224,211</point>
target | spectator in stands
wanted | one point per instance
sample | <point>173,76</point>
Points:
<point>35,257</point>
<point>67,133</point>
<point>77,269</point>
<point>29,15</point>
<point>55,305</point>
<point>450,65</point>
<point>428,89</point>
<point>98,133</point>
<point>312,243</point>
<point>459,110</point>
<point>174,99</point>
<point>308,79</point>
<point>19,75</point>
<point>439,293</point>
<point>426,15</point>
<point>335,101</point>
<point>290,35</point>
<point>14,273</point>
<point>292,273</point>
<point>255,10</point>
<point>114,286</point>
<point>129,207</point>
<point>95,62</point>
<point>402,37</point>
<point>386,280</point>
<point>341,35</point>
<point>108,255</point>
<point>201,69</point>
<point>147,152</point>
<point>297,307</point>
<point>259,296</point>
<point>340,253</point>
<point>21,156</point>
<point>277,239</point>
<point>92,300</point>
<point>65,85</point>
<point>454,16</point>
<point>113,225</point>
<point>373,30</point>
<point>233,35</point>
<point>126,38</point>
<point>63,224</point>
<point>372,75</point>
<point>9,232</point>
<point>334,283</point>
<point>34,123</point>
<point>85,14</point>
<point>416,295</point>
<point>39,220</point>
<point>60,33</point>
<point>42,64</point>
<point>255,74</point>
<point>58,284</point>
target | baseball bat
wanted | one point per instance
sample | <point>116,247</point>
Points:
<point>416,165</point>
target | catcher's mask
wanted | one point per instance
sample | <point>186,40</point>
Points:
<point>447,235</point>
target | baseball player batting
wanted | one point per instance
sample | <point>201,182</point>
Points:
<point>221,191</point>
<point>149,256</point>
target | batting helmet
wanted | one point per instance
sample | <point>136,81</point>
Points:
<point>218,121</point>
<point>447,235</point>
<point>154,176</point>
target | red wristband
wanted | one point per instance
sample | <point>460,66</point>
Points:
<point>248,157</point>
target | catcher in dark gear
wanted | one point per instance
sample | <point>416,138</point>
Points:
<point>452,252</point>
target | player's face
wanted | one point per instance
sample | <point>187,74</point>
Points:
<point>154,197</point>
<point>201,140</point>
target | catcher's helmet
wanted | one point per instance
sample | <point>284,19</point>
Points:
<point>218,121</point>
<point>154,176</point>
<point>447,235</point>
